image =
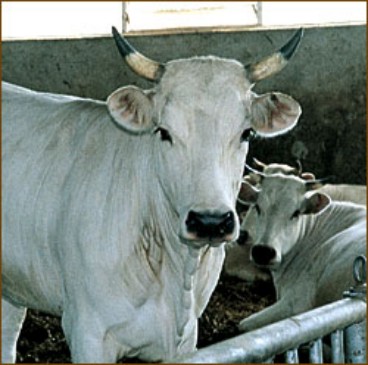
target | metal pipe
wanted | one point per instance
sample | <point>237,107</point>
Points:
<point>124,17</point>
<point>276,338</point>
<point>257,8</point>
<point>355,343</point>
<point>337,347</point>
<point>315,352</point>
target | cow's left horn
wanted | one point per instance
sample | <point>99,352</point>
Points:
<point>140,64</point>
<point>270,65</point>
<point>316,183</point>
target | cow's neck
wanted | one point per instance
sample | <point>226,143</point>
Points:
<point>177,276</point>
<point>173,267</point>
<point>313,231</point>
<point>317,228</point>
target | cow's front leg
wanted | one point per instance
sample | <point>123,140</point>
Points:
<point>88,338</point>
<point>12,318</point>
<point>276,312</point>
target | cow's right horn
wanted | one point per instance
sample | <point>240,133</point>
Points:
<point>270,65</point>
<point>254,171</point>
<point>140,64</point>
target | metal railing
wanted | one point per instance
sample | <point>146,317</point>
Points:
<point>343,321</point>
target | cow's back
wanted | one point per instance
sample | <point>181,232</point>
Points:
<point>350,193</point>
<point>339,255</point>
<point>320,265</point>
<point>43,137</point>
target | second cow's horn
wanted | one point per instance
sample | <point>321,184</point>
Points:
<point>276,62</point>
<point>140,64</point>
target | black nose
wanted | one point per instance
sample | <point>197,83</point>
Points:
<point>263,255</point>
<point>206,225</point>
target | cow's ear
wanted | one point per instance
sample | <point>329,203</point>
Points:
<point>274,113</point>
<point>308,176</point>
<point>248,193</point>
<point>252,179</point>
<point>132,109</point>
<point>316,203</point>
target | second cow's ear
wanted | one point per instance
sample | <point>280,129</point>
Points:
<point>248,193</point>
<point>132,109</point>
<point>316,203</point>
<point>274,113</point>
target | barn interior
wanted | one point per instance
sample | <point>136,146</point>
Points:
<point>327,76</point>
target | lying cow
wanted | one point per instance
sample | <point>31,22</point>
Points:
<point>346,192</point>
<point>340,192</point>
<point>237,261</point>
<point>100,225</point>
<point>307,241</point>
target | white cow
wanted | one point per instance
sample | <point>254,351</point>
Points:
<point>340,192</point>
<point>346,192</point>
<point>100,224</point>
<point>237,261</point>
<point>308,242</point>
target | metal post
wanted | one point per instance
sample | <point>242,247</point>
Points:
<point>124,17</point>
<point>355,343</point>
<point>337,347</point>
<point>315,352</point>
<point>355,335</point>
<point>292,357</point>
<point>257,8</point>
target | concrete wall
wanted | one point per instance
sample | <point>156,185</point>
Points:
<point>327,76</point>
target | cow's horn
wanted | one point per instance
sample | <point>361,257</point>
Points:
<point>299,168</point>
<point>317,183</point>
<point>259,164</point>
<point>254,171</point>
<point>140,64</point>
<point>270,65</point>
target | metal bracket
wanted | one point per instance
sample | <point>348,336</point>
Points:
<point>360,274</point>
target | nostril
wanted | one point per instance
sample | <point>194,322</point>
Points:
<point>192,221</point>
<point>243,238</point>
<point>228,223</point>
<point>263,255</point>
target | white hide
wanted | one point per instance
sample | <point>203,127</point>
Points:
<point>346,193</point>
<point>340,192</point>
<point>237,261</point>
<point>315,251</point>
<point>95,200</point>
<point>238,264</point>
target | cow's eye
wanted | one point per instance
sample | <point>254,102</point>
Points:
<point>247,135</point>
<point>164,134</point>
<point>296,214</point>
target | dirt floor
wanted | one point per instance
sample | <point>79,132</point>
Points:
<point>42,340</point>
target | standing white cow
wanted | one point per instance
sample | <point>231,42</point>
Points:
<point>101,225</point>
<point>308,242</point>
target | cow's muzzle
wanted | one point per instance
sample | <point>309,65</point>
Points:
<point>264,256</point>
<point>211,227</point>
